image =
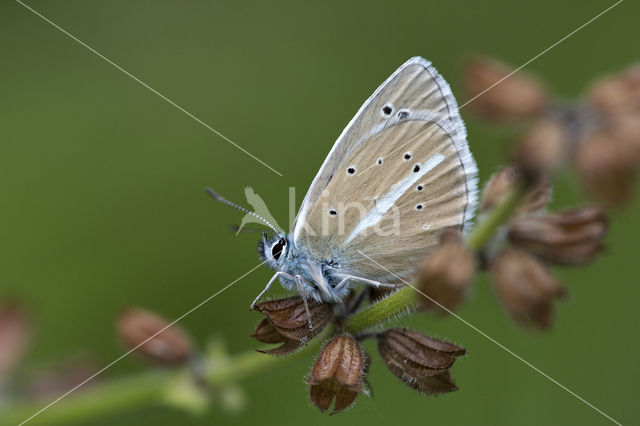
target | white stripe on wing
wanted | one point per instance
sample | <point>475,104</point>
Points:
<point>384,203</point>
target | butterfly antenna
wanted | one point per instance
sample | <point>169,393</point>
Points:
<point>236,228</point>
<point>220,198</point>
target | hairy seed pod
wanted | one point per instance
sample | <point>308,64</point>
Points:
<point>288,317</point>
<point>265,332</point>
<point>420,361</point>
<point>338,373</point>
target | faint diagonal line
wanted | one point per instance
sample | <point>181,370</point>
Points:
<point>151,89</point>
<point>500,345</point>
<point>541,53</point>
<point>97,373</point>
<point>509,75</point>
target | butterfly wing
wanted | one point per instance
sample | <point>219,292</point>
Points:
<point>399,173</point>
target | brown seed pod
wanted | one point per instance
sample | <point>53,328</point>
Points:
<point>516,96</point>
<point>607,163</point>
<point>572,237</point>
<point>420,361</point>
<point>446,274</point>
<point>619,93</point>
<point>338,373</point>
<point>506,180</point>
<point>543,149</point>
<point>525,287</point>
<point>288,317</point>
<point>265,332</point>
<point>153,337</point>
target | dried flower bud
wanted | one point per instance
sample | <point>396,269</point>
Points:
<point>420,361</point>
<point>624,129</point>
<point>608,166</point>
<point>543,149</point>
<point>572,237</point>
<point>617,93</point>
<point>339,373</point>
<point>446,274</point>
<point>289,317</point>
<point>153,337</point>
<point>15,334</point>
<point>525,287</point>
<point>515,96</point>
<point>506,181</point>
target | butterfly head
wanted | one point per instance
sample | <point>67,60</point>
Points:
<point>273,250</point>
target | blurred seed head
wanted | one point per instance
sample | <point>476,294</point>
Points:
<point>420,361</point>
<point>505,181</point>
<point>338,373</point>
<point>446,274</point>
<point>15,336</point>
<point>543,148</point>
<point>169,345</point>
<point>525,287</point>
<point>607,162</point>
<point>572,237</point>
<point>618,93</point>
<point>517,97</point>
<point>288,318</point>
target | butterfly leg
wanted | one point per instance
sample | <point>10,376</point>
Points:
<point>276,275</point>
<point>304,300</point>
<point>372,283</point>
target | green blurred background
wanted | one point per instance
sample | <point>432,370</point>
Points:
<point>102,203</point>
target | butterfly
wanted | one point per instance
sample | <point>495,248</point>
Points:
<point>399,174</point>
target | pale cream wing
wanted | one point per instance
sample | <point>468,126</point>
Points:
<point>398,182</point>
<point>416,85</point>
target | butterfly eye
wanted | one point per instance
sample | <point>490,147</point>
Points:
<point>277,248</point>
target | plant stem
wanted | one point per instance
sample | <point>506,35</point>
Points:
<point>99,400</point>
<point>144,389</point>
<point>150,388</point>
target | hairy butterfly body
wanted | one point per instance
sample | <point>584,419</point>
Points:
<point>399,174</point>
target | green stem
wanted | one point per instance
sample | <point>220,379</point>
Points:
<point>150,388</point>
<point>486,229</point>
<point>96,401</point>
<point>114,396</point>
